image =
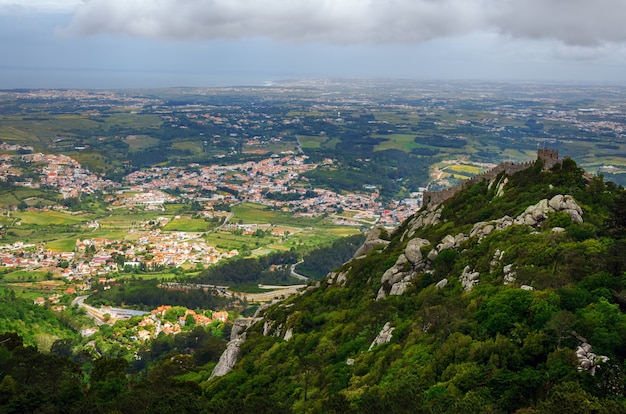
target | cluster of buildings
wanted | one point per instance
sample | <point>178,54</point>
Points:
<point>153,324</point>
<point>277,182</point>
<point>95,259</point>
<point>58,172</point>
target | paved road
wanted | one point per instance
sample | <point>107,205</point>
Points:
<point>298,275</point>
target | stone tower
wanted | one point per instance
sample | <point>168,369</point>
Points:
<point>549,157</point>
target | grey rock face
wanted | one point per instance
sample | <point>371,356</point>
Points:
<point>432,255</point>
<point>384,336</point>
<point>241,325</point>
<point>228,359</point>
<point>497,258</point>
<point>338,279</point>
<point>381,294</point>
<point>532,216</point>
<point>422,219</point>
<point>468,279</point>
<point>288,334</point>
<point>399,288</point>
<point>371,241</point>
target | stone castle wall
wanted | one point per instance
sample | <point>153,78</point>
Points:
<point>549,156</point>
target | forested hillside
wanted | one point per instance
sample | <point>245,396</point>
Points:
<point>509,297</point>
<point>520,312</point>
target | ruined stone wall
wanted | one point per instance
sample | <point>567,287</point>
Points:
<point>437,197</point>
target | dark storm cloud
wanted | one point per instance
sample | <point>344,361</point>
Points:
<point>572,22</point>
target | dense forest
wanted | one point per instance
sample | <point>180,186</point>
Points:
<point>270,269</point>
<point>492,302</point>
<point>319,262</point>
<point>146,295</point>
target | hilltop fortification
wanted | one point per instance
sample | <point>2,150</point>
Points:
<point>547,155</point>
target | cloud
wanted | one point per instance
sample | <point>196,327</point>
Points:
<point>572,22</point>
<point>37,6</point>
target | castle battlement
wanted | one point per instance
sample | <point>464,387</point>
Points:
<point>549,156</point>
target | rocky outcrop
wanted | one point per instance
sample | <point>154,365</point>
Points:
<point>288,334</point>
<point>532,216</point>
<point>568,205</point>
<point>500,187</point>
<point>383,337</point>
<point>587,359</point>
<point>337,278</point>
<point>447,243</point>
<point>441,284</point>
<point>228,359</point>
<point>483,228</point>
<point>413,250</point>
<point>421,219</point>
<point>372,240</point>
<point>509,274</point>
<point>468,278</point>
<point>261,309</point>
<point>399,276</point>
<point>240,326</point>
<point>399,288</point>
<point>497,258</point>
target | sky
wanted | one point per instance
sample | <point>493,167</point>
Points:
<point>165,43</point>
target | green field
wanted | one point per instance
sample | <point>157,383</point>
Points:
<point>123,218</point>
<point>62,245</point>
<point>140,142</point>
<point>225,240</point>
<point>31,196</point>
<point>403,142</point>
<point>50,218</point>
<point>250,213</point>
<point>187,224</point>
<point>468,170</point>
<point>311,142</point>
<point>195,147</point>
<point>21,275</point>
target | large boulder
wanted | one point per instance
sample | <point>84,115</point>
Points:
<point>413,252</point>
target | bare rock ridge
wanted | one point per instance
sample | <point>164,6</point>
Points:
<point>397,279</point>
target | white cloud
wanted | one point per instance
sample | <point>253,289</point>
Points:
<point>37,6</point>
<point>572,22</point>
